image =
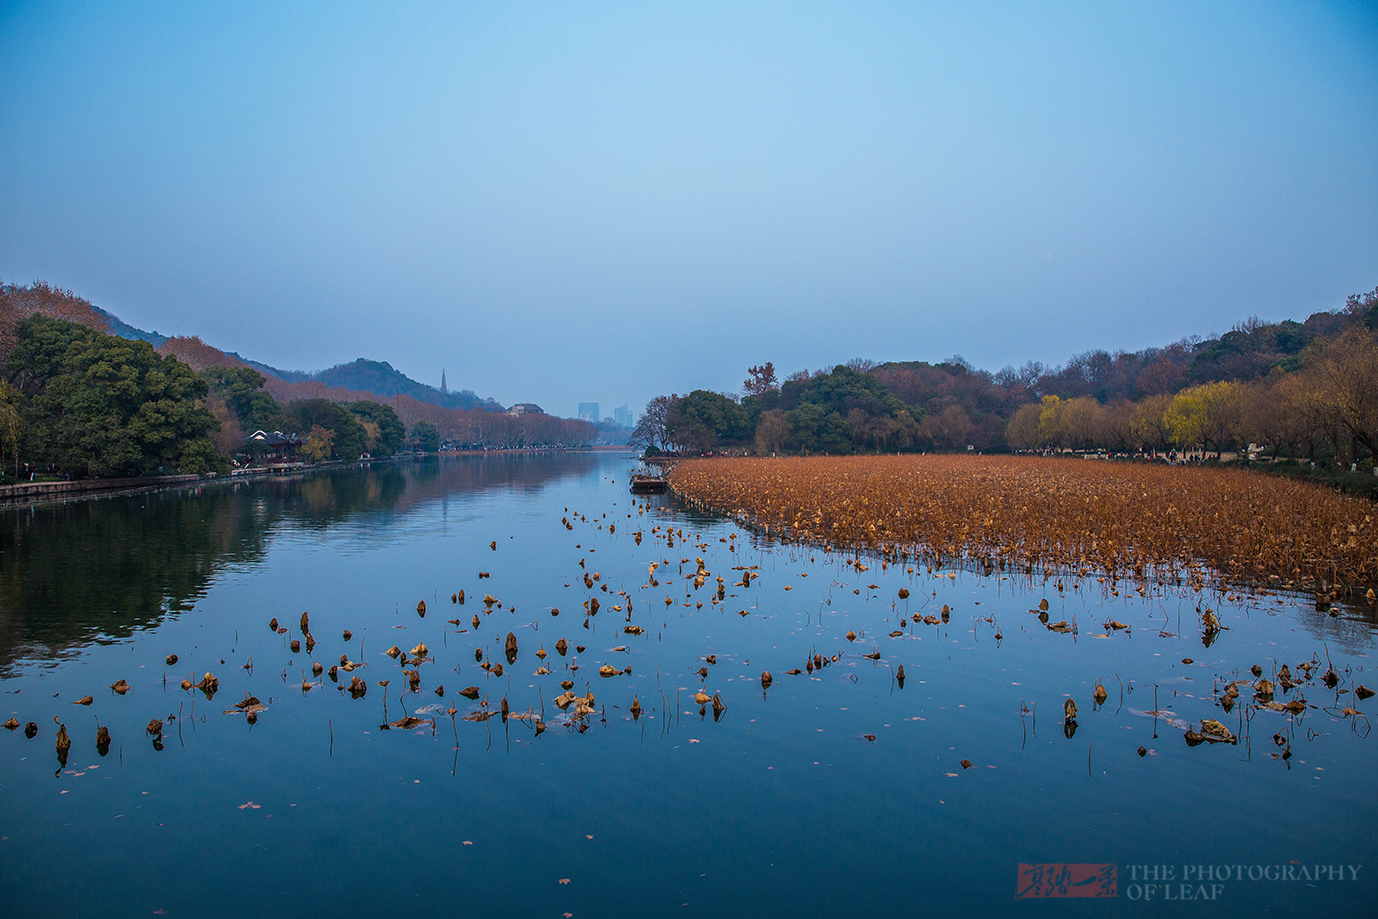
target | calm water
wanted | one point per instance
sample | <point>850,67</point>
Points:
<point>783,806</point>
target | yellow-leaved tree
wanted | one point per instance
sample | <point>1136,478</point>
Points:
<point>319,444</point>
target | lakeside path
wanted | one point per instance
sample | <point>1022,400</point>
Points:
<point>1146,523</point>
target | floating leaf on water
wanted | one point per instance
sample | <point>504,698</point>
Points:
<point>348,634</point>
<point>897,633</point>
<point>31,730</point>
<point>636,708</point>
<point>1187,660</point>
<point>607,670</point>
<point>470,692</point>
<point>1256,670</point>
<point>1215,732</point>
<point>103,740</point>
<point>403,724</point>
<point>357,687</point>
<point>208,684</point>
<point>869,737</point>
<point>421,609</point>
<point>120,686</point>
<point>1069,710</point>
<point>12,723</point>
<point>718,706</point>
<point>966,764</point>
<point>393,652</point>
<point>1100,694</point>
<point>851,636</point>
<point>273,624</point>
<point>766,679</point>
<point>1043,604</point>
<point>578,649</point>
<point>561,646</point>
<point>795,672</point>
<point>1362,692</point>
<point>155,728</point>
<point>420,650</point>
<point>903,593</point>
<point>296,646</point>
<point>1111,625</point>
<point>1264,689</point>
<point>497,670</point>
<point>171,659</point>
<point>702,698</point>
<point>64,743</point>
<point>1143,751</point>
<point>84,700</point>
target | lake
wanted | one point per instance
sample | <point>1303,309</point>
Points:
<point>836,790</point>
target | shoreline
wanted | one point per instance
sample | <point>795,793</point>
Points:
<point>32,494</point>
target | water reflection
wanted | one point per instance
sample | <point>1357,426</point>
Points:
<point>97,570</point>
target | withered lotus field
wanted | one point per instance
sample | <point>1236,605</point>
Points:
<point>1122,520</point>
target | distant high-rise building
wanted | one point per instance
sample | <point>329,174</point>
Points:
<point>588,411</point>
<point>444,390</point>
<point>623,416</point>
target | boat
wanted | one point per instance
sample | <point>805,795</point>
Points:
<point>648,484</point>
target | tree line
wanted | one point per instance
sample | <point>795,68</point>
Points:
<point>1306,389</point>
<point>78,401</point>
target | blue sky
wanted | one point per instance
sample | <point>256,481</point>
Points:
<point>575,202</point>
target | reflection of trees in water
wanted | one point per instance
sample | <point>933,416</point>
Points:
<point>103,568</point>
<point>74,571</point>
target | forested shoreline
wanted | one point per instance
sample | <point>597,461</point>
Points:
<point>1305,390</point>
<point>77,401</point>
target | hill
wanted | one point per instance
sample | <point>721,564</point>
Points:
<point>377,377</point>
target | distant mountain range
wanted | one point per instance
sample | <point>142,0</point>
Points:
<point>378,377</point>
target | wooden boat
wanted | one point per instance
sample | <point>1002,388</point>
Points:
<point>648,484</point>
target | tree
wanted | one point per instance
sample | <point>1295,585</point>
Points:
<point>242,390</point>
<point>1049,422</point>
<point>425,437</point>
<point>320,444</point>
<point>1022,433</point>
<point>1346,372</point>
<point>1204,415</point>
<point>11,422</point>
<point>951,428</point>
<point>702,420</point>
<point>760,380</point>
<point>350,436</point>
<point>387,435</point>
<point>771,432</point>
<point>652,428</point>
<point>96,404</point>
<point>1148,423</point>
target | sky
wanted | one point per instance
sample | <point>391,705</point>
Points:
<point>569,202</point>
